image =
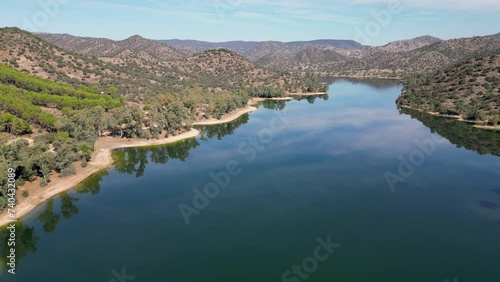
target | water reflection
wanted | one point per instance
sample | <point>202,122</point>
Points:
<point>92,184</point>
<point>68,207</point>
<point>372,82</point>
<point>219,131</point>
<point>135,160</point>
<point>26,241</point>
<point>464,135</point>
<point>460,134</point>
<point>49,218</point>
<point>356,127</point>
<point>274,105</point>
<point>313,98</point>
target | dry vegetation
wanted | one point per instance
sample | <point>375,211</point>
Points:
<point>470,89</point>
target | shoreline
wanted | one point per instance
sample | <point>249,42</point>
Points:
<point>308,94</point>
<point>330,75</point>
<point>475,124</point>
<point>101,159</point>
<point>255,101</point>
<point>227,117</point>
<point>370,77</point>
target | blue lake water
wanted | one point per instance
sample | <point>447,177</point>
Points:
<point>338,188</point>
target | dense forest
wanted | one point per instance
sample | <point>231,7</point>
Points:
<point>470,89</point>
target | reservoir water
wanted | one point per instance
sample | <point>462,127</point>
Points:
<point>343,188</point>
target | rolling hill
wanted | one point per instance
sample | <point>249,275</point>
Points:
<point>136,66</point>
<point>423,54</point>
<point>409,44</point>
<point>132,47</point>
<point>349,58</point>
<point>469,89</point>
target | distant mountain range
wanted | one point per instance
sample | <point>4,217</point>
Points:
<point>137,66</point>
<point>346,58</point>
<point>247,48</point>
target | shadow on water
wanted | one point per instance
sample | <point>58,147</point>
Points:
<point>459,133</point>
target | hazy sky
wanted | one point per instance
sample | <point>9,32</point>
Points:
<point>372,22</point>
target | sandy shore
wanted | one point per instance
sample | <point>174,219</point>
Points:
<point>308,94</point>
<point>101,159</point>
<point>228,117</point>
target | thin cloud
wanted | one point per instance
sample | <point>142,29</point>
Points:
<point>167,10</point>
<point>439,4</point>
<point>293,11</point>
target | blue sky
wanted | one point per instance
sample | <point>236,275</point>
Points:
<point>372,22</point>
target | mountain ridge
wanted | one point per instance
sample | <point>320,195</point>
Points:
<point>330,57</point>
<point>135,69</point>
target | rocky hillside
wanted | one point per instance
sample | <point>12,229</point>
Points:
<point>323,57</point>
<point>147,71</point>
<point>430,57</point>
<point>229,70</point>
<point>470,89</point>
<point>409,44</point>
<point>320,57</point>
<point>386,61</point>
<point>133,47</point>
<point>349,58</point>
<point>28,53</point>
<point>308,60</point>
